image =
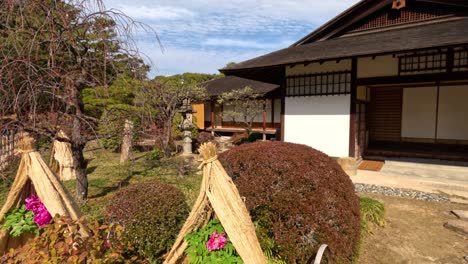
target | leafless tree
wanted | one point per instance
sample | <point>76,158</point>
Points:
<point>50,50</point>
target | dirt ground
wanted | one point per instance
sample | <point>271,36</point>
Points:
<point>414,233</point>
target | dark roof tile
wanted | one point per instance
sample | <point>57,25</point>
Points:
<point>447,33</point>
<point>229,83</point>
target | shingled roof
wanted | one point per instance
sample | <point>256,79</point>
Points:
<point>226,84</point>
<point>442,34</point>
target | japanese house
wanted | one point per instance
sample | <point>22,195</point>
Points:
<point>266,123</point>
<point>385,77</point>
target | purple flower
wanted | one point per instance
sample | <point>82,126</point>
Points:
<point>42,216</point>
<point>216,241</point>
<point>33,203</point>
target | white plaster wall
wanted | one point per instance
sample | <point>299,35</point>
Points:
<point>321,122</point>
<point>316,67</point>
<point>453,113</point>
<point>419,112</point>
<point>380,66</point>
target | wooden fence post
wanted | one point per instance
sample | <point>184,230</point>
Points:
<point>8,147</point>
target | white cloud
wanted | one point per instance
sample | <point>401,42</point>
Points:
<point>203,35</point>
<point>311,10</point>
<point>144,12</point>
<point>243,14</point>
<point>250,44</point>
<point>179,60</point>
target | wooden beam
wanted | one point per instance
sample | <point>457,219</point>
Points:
<point>238,71</point>
<point>453,76</point>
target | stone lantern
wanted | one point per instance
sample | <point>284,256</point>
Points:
<point>187,126</point>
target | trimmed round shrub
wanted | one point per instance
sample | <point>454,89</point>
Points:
<point>203,137</point>
<point>152,214</point>
<point>307,197</point>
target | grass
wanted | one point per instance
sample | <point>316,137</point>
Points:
<point>106,175</point>
<point>372,211</point>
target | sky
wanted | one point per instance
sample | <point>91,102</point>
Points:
<point>204,35</point>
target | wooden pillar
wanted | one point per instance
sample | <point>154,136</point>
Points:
<point>212,115</point>
<point>352,113</point>
<point>264,119</point>
<point>212,106</point>
<point>273,112</point>
<point>436,134</point>
<point>283,103</point>
<point>450,60</point>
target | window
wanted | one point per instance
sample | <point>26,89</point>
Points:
<point>328,83</point>
<point>460,60</point>
<point>429,62</point>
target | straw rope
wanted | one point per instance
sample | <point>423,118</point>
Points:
<point>48,188</point>
<point>219,193</point>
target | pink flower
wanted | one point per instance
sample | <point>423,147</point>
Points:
<point>33,203</point>
<point>216,241</point>
<point>42,216</point>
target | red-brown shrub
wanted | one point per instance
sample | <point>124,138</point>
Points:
<point>312,201</point>
<point>152,214</point>
<point>203,137</point>
<point>62,242</point>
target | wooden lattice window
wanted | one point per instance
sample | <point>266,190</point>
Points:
<point>328,83</point>
<point>428,62</point>
<point>414,12</point>
<point>460,60</point>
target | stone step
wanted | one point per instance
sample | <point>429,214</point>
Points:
<point>458,226</point>
<point>463,215</point>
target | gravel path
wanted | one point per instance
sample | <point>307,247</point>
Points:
<point>388,191</point>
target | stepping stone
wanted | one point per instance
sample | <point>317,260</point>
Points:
<point>458,226</point>
<point>463,215</point>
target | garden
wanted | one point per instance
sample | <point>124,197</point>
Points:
<point>92,170</point>
<point>296,198</point>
